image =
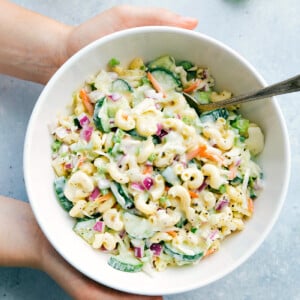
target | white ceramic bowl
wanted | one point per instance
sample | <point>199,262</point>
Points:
<point>232,72</point>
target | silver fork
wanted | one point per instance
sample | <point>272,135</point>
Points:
<point>284,87</point>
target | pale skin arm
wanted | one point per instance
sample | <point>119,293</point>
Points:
<point>24,245</point>
<point>34,46</point>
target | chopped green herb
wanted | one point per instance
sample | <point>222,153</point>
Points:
<point>93,87</point>
<point>156,139</point>
<point>253,194</point>
<point>181,223</point>
<point>193,230</point>
<point>191,75</point>
<point>109,151</point>
<point>77,123</point>
<point>242,139</point>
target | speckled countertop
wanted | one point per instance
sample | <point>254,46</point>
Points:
<point>267,33</point>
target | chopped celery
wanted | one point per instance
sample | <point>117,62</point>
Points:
<point>56,145</point>
<point>118,136</point>
<point>241,125</point>
<point>113,62</point>
<point>202,97</point>
<point>220,190</point>
<point>152,157</point>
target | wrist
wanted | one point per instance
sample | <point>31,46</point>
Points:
<point>20,236</point>
<point>59,54</point>
<point>33,47</point>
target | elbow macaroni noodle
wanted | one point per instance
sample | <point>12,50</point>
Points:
<point>152,171</point>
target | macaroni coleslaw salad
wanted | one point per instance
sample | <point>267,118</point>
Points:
<point>145,177</point>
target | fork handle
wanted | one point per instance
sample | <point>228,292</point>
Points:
<point>284,87</point>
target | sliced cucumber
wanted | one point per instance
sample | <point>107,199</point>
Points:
<point>134,134</point>
<point>121,86</point>
<point>100,117</point>
<point>59,185</point>
<point>126,263</point>
<point>215,114</point>
<point>121,195</point>
<point>236,181</point>
<point>180,256</point>
<point>166,79</point>
<point>185,64</point>
<point>85,230</point>
<point>170,176</point>
<point>166,62</point>
<point>137,227</point>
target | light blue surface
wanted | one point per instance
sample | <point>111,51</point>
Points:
<point>267,33</point>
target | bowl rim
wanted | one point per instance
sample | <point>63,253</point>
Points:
<point>106,39</point>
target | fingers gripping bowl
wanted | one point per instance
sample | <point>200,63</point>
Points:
<point>231,72</point>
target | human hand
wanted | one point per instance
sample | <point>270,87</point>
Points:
<point>112,20</point>
<point>27,52</point>
<point>76,284</point>
<point>118,18</point>
<point>25,245</point>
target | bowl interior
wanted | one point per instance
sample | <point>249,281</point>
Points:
<point>231,72</point>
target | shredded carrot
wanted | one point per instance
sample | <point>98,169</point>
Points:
<point>250,205</point>
<point>125,116</point>
<point>147,170</point>
<point>81,161</point>
<point>193,86</point>
<point>232,172</point>
<point>193,153</point>
<point>104,197</point>
<point>172,233</point>
<point>193,194</point>
<point>155,84</point>
<point>86,102</point>
<point>210,251</point>
<point>202,151</point>
<point>166,188</point>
